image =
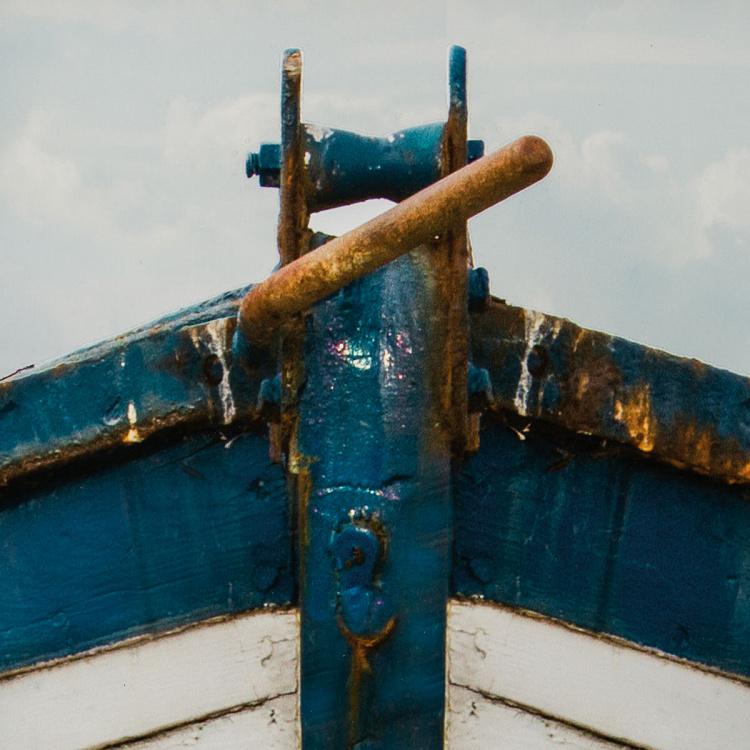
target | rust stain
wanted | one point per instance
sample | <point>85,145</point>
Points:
<point>593,373</point>
<point>360,647</point>
<point>132,435</point>
<point>636,414</point>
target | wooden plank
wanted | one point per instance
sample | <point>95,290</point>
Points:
<point>196,529</point>
<point>680,410</point>
<point>151,685</point>
<point>608,687</point>
<point>273,725</point>
<point>179,371</point>
<point>475,722</point>
<point>608,540</point>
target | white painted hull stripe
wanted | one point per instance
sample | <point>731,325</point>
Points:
<point>515,680</point>
<point>154,685</point>
<point>612,689</point>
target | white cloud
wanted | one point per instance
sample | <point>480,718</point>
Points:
<point>724,191</point>
<point>585,33</point>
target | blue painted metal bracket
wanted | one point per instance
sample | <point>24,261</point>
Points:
<point>341,167</point>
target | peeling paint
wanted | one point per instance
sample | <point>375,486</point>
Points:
<point>132,435</point>
<point>533,324</point>
<point>318,132</point>
<point>679,411</point>
<point>217,334</point>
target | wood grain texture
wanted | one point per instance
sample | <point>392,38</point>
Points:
<point>615,690</point>
<point>152,685</point>
<point>474,722</point>
<point>273,725</point>
<point>604,538</point>
<point>196,529</point>
<point>177,372</point>
<point>679,410</point>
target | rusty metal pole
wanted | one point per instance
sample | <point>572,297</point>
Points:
<point>416,220</point>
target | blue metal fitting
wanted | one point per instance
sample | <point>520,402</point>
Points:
<point>480,389</point>
<point>474,150</point>
<point>479,289</point>
<point>266,163</point>
<point>342,167</point>
<point>269,399</point>
<point>362,605</point>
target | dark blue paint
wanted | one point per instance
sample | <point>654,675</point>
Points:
<point>168,370</point>
<point>375,528</point>
<point>698,416</point>
<point>195,529</point>
<point>608,541</point>
<point>342,167</point>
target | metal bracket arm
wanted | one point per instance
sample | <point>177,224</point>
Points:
<point>416,220</point>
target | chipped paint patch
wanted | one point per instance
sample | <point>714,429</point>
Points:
<point>318,132</point>
<point>215,335</point>
<point>533,322</point>
<point>132,435</point>
<point>636,414</point>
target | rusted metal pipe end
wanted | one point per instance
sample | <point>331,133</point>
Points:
<point>416,220</point>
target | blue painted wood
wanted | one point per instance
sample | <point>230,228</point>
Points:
<point>374,519</point>
<point>608,540</point>
<point>191,530</point>
<point>676,409</point>
<point>177,372</point>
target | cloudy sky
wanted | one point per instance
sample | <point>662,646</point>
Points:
<point>124,126</point>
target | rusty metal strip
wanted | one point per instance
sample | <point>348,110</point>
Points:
<point>450,315</point>
<point>678,410</point>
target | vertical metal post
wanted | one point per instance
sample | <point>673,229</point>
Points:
<point>380,411</point>
<point>374,516</point>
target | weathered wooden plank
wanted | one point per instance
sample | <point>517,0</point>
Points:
<point>607,540</point>
<point>271,725</point>
<point>609,687</point>
<point>175,372</point>
<point>152,684</point>
<point>676,409</point>
<point>198,528</point>
<point>475,722</point>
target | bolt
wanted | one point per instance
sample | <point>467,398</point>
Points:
<point>474,151</point>
<point>269,399</point>
<point>480,389</point>
<point>356,557</point>
<point>479,289</point>
<point>266,163</point>
<point>252,164</point>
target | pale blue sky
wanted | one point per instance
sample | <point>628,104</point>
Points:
<point>123,130</point>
